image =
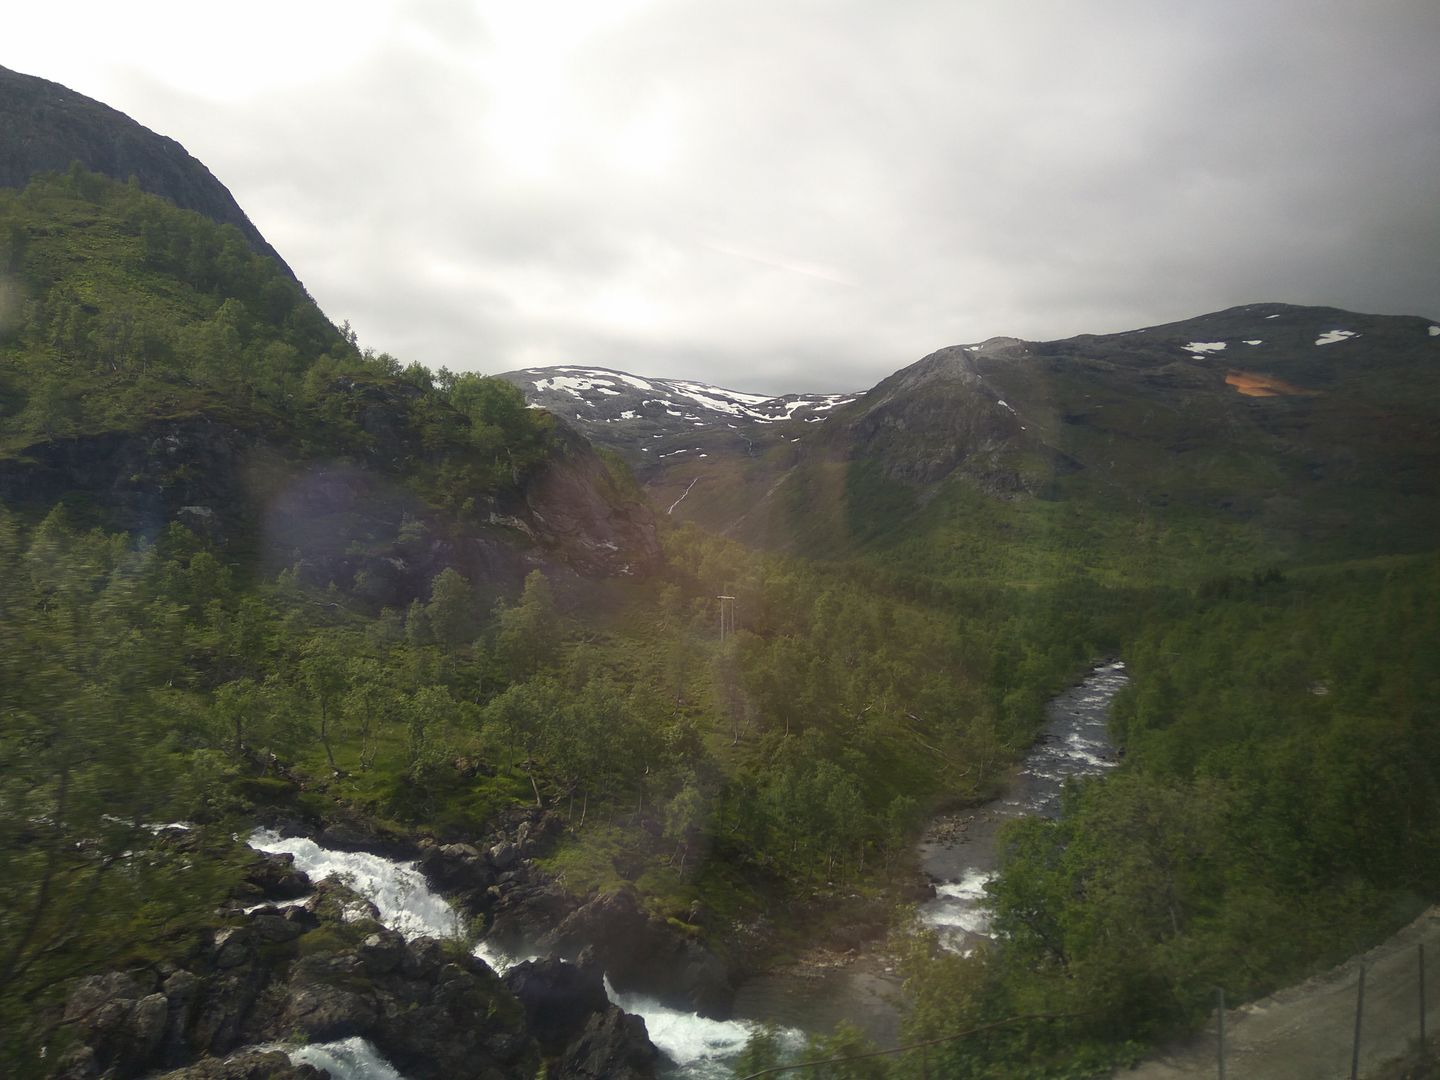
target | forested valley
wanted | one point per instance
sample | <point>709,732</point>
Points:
<point>1276,807</point>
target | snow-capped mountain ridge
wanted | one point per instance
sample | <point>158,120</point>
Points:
<point>601,395</point>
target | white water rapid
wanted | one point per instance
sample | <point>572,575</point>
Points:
<point>960,855</point>
<point>700,1048</point>
<point>348,1059</point>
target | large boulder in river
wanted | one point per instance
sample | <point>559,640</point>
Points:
<point>614,1046</point>
<point>559,998</point>
<point>644,954</point>
<point>250,1065</point>
<point>572,1018</point>
<point>274,877</point>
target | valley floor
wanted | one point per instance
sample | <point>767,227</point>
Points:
<point>1306,1032</point>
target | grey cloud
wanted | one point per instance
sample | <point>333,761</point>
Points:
<point>852,184</point>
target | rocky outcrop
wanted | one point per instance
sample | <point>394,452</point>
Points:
<point>643,953</point>
<point>575,507</point>
<point>45,126</point>
<point>346,516</point>
<point>324,971</point>
<point>526,911</point>
<point>573,1020</point>
<point>252,1065</point>
<point>274,877</point>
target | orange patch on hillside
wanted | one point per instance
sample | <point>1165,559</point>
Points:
<point>1253,384</point>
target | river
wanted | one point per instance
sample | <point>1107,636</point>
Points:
<point>957,852</point>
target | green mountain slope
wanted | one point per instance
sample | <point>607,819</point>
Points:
<point>153,369</point>
<point>45,127</point>
<point>248,571</point>
<point>1259,434</point>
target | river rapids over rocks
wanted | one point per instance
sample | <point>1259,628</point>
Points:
<point>958,852</point>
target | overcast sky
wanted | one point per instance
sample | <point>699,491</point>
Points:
<point>790,195</point>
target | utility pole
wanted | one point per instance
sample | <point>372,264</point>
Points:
<point>727,616</point>
<point>1220,1033</point>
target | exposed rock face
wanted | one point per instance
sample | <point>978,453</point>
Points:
<point>933,417</point>
<point>432,1012</point>
<point>558,998</point>
<point>237,482</point>
<point>45,126</point>
<point>642,953</point>
<point>575,507</point>
<point>274,877</point>
<point>573,1020</point>
<point>256,1065</point>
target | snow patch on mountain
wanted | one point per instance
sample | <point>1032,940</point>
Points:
<point>1198,349</point>
<point>632,398</point>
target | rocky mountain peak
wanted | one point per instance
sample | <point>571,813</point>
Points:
<point>44,127</point>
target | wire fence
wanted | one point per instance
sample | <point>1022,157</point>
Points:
<point>1222,1049</point>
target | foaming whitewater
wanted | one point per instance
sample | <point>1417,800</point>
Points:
<point>406,905</point>
<point>700,1048</point>
<point>398,890</point>
<point>1075,743</point>
<point>348,1059</point>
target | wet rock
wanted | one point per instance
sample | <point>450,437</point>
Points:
<point>148,1023</point>
<point>220,1013</point>
<point>231,946</point>
<point>645,954</point>
<point>330,997</point>
<point>458,869</point>
<point>455,1020</point>
<point>274,877</point>
<point>559,998</point>
<point>523,913</point>
<point>275,926</point>
<point>181,989</point>
<point>252,1065</point>
<point>615,1045</point>
<point>340,903</point>
<point>917,891</point>
<point>382,952</point>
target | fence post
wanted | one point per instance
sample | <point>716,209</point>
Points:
<point>1220,1033</point>
<point>1422,994</point>
<point>1359,1010</point>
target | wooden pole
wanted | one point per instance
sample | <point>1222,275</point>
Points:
<point>1220,1034</point>
<point>1422,994</point>
<point>1359,1011</point>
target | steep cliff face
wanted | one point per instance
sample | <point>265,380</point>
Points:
<point>45,126</point>
<point>337,515</point>
<point>574,506</point>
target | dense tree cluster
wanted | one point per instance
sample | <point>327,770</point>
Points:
<point>1277,804</point>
